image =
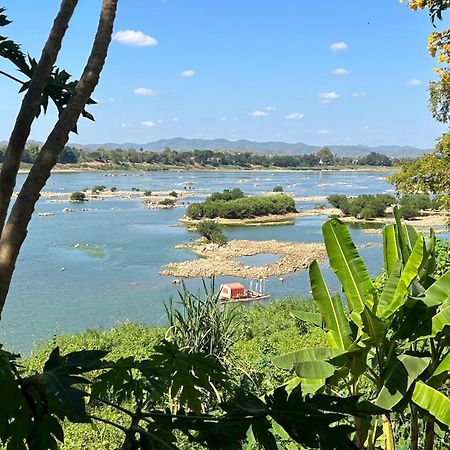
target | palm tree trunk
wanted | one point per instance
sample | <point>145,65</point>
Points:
<point>30,107</point>
<point>15,230</point>
<point>414,428</point>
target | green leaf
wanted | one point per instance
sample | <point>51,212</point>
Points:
<point>434,326</point>
<point>439,292</point>
<point>391,249</point>
<point>399,377</point>
<point>348,266</point>
<point>373,326</point>
<point>432,401</point>
<point>332,310</point>
<point>444,366</point>
<point>310,318</point>
<point>314,369</point>
<point>390,287</point>
<point>288,360</point>
<point>409,273</point>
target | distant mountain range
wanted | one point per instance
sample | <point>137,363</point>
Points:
<point>182,144</point>
<point>244,145</point>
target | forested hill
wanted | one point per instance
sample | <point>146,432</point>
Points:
<point>243,145</point>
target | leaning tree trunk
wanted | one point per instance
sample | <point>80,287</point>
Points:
<point>30,107</point>
<point>15,230</point>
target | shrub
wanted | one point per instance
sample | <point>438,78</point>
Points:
<point>135,189</point>
<point>147,193</point>
<point>226,195</point>
<point>278,188</point>
<point>98,188</point>
<point>363,206</point>
<point>167,202</point>
<point>113,189</point>
<point>212,231</point>
<point>77,197</point>
<point>173,194</point>
<point>242,208</point>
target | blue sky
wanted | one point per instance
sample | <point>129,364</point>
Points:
<point>261,70</point>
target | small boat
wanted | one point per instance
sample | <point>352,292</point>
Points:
<point>236,292</point>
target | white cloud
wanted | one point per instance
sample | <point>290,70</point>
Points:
<point>414,83</point>
<point>223,119</point>
<point>160,121</point>
<point>271,108</point>
<point>338,46</point>
<point>341,71</point>
<point>258,113</point>
<point>187,73</point>
<point>102,102</point>
<point>134,38</point>
<point>295,116</point>
<point>359,95</point>
<point>327,97</point>
<point>325,131</point>
<point>369,130</point>
<point>175,119</point>
<point>149,123</point>
<point>145,91</point>
<point>123,125</point>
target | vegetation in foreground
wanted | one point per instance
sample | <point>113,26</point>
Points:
<point>370,375</point>
<point>235,204</point>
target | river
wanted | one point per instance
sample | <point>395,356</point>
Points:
<point>61,289</point>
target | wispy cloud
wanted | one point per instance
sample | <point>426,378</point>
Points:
<point>327,97</point>
<point>341,71</point>
<point>188,73</point>
<point>134,38</point>
<point>175,119</point>
<point>223,119</point>
<point>414,82</point>
<point>369,130</point>
<point>325,131</point>
<point>295,116</point>
<point>149,124</point>
<point>259,113</point>
<point>359,95</point>
<point>340,46</point>
<point>270,108</point>
<point>145,92</point>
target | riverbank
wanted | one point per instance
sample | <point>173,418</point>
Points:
<point>139,167</point>
<point>216,261</point>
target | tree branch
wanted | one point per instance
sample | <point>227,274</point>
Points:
<point>15,230</point>
<point>30,107</point>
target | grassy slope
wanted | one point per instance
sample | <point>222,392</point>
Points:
<point>266,332</point>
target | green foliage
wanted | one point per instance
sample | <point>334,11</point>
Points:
<point>167,202</point>
<point>226,195</point>
<point>412,204</point>
<point>147,193</point>
<point>77,197</point>
<point>375,159</point>
<point>173,194</point>
<point>212,231</point>
<point>242,207</point>
<point>98,188</point>
<point>363,206</point>
<point>278,188</point>
<point>385,346</point>
<point>113,189</point>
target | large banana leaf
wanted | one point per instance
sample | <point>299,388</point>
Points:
<point>314,369</point>
<point>373,326</point>
<point>444,366</point>
<point>432,401</point>
<point>409,273</point>
<point>434,326</point>
<point>315,319</point>
<point>391,249</point>
<point>390,287</point>
<point>332,310</point>
<point>439,292</point>
<point>400,376</point>
<point>306,354</point>
<point>348,266</point>
<point>403,238</point>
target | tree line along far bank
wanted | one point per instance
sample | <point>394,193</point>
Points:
<point>206,158</point>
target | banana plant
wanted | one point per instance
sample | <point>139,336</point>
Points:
<point>392,347</point>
